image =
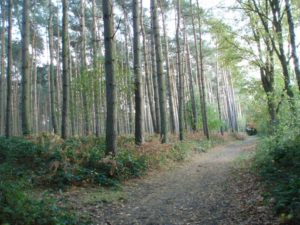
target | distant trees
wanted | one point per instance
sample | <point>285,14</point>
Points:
<point>128,74</point>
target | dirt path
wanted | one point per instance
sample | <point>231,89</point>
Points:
<point>197,192</point>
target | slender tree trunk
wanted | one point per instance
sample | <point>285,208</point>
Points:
<point>155,85</point>
<point>159,66</point>
<point>180,75</point>
<point>218,95</point>
<point>8,124</point>
<point>199,73</point>
<point>66,72</point>
<point>52,74</point>
<point>138,84</point>
<point>192,92</point>
<point>2,66</point>
<point>293,40</point>
<point>127,68</point>
<point>233,101</point>
<point>26,130</point>
<point>34,99</point>
<point>147,74</point>
<point>109,43</point>
<point>96,88</point>
<point>166,51</point>
<point>83,69</point>
<point>202,93</point>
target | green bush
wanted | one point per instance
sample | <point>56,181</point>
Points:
<point>49,161</point>
<point>18,208</point>
<point>278,162</point>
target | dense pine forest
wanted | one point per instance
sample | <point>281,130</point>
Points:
<point>94,93</point>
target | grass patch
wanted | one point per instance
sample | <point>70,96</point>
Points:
<point>19,207</point>
<point>244,160</point>
<point>103,195</point>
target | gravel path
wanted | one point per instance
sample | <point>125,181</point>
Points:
<point>199,191</point>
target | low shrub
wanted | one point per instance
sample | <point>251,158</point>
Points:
<point>278,163</point>
<point>17,207</point>
<point>47,160</point>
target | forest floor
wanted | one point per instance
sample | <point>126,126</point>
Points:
<point>209,188</point>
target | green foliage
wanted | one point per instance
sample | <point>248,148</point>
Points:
<point>130,165</point>
<point>214,122</point>
<point>49,161</point>
<point>18,207</point>
<point>180,150</point>
<point>278,162</point>
<point>213,118</point>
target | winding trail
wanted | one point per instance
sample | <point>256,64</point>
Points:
<point>196,192</point>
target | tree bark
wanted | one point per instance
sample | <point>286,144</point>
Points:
<point>138,84</point>
<point>109,43</point>
<point>96,88</point>
<point>192,92</point>
<point>199,74</point>
<point>147,74</point>
<point>155,85</point>
<point>8,122</point>
<point>159,66</point>
<point>52,72</point>
<point>2,66</point>
<point>66,72</point>
<point>202,80</point>
<point>218,94</point>
<point>293,40</point>
<point>166,51</point>
<point>83,69</point>
<point>25,105</point>
<point>180,75</point>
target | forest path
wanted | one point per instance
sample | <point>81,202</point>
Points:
<point>200,191</point>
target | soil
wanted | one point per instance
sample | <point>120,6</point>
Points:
<point>207,189</point>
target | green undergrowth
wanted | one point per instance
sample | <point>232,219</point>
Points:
<point>278,163</point>
<point>20,207</point>
<point>47,162</point>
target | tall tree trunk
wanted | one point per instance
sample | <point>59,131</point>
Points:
<point>66,72</point>
<point>192,92</point>
<point>293,40</point>
<point>96,88</point>
<point>159,66</point>
<point>83,69</point>
<point>155,85</point>
<point>199,72</point>
<point>109,43</point>
<point>218,94</point>
<point>202,93</point>
<point>2,66</point>
<point>166,51</point>
<point>52,74</point>
<point>180,75</point>
<point>25,105</point>
<point>127,68</point>
<point>147,74</point>
<point>8,124</point>
<point>138,84</point>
